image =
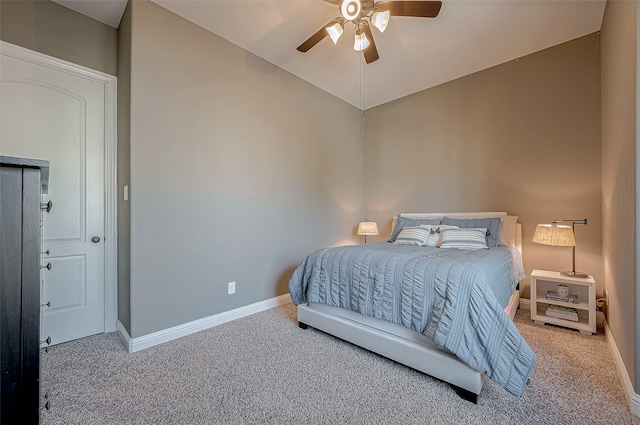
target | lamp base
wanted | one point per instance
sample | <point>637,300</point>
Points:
<point>574,274</point>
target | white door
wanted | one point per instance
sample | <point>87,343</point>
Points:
<point>60,117</point>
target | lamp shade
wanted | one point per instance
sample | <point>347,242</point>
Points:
<point>335,31</point>
<point>380,20</point>
<point>554,234</point>
<point>368,228</point>
<point>361,41</point>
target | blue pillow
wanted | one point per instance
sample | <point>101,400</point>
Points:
<point>404,222</point>
<point>491,224</point>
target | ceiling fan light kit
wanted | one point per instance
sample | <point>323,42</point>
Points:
<point>363,13</point>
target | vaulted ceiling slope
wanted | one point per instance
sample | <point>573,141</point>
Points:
<point>415,53</point>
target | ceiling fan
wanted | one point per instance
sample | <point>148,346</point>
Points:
<point>363,14</point>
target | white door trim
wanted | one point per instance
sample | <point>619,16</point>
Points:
<point>110,169</point>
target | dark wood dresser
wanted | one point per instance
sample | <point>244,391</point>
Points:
<point>22,183</point>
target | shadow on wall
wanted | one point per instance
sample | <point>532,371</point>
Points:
<point>282,284</point>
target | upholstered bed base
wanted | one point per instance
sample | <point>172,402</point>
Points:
<point>398,343</point>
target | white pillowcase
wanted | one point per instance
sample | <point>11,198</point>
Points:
<point>416,235</point>
<point>472,238</point>
<point>507,232</point>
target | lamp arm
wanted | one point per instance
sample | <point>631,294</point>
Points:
<point>573,248</point>
<point>574,221</point>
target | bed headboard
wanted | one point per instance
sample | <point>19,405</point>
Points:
<point>509,223</point>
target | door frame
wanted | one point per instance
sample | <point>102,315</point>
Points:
<point>110,167</point>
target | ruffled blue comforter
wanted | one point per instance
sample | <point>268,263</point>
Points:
<point>454,297</point>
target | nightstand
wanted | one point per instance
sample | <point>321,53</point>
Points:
<point>545,310</point>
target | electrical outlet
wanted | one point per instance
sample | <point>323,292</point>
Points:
<point>606,296</point>
<point>231,288</point>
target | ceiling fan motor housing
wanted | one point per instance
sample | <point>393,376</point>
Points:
<point>350,9</point>
<point>353,10</point>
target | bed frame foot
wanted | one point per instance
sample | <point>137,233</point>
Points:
<point>303,325</point>
<point>466,394</point>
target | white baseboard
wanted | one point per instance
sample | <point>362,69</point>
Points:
<point>633,398</point>
<point>146,341</point>
<point>525,303</point>
<point>124,335</point>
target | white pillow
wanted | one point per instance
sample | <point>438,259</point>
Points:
<point>416,235</point>
<point>435,236</point>
<point>507,232</point>
<point>472,238</point>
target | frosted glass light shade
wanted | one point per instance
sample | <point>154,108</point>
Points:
<point>361,42</point>
<point>380,20</point>
<point>368,228</point>
<point>335,31</point>
<point>554,234</point>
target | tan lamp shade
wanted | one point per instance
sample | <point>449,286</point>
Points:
<point>554,234</point>
<point>368,228</point>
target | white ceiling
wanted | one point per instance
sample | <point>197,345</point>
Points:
<point>107,11</point>
<point>415,53</point>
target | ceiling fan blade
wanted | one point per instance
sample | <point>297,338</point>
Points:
<point>314,39</point>
<point>371,52</point>
<point>333,1</point>
<point>420,9</point>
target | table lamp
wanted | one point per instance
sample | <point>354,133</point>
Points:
<point>367,228</point>
<point>555,234</point>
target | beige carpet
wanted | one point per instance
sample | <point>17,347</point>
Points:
<point>263,369</point>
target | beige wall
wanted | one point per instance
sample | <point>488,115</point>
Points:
<point>619,169</point>
<point>238,170</point>
<point>522,137</point>
<point>49,28</point>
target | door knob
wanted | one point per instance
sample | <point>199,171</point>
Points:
<point>46,207</point>
<point>95,239</point>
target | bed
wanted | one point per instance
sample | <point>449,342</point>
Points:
<point>445,310</point>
